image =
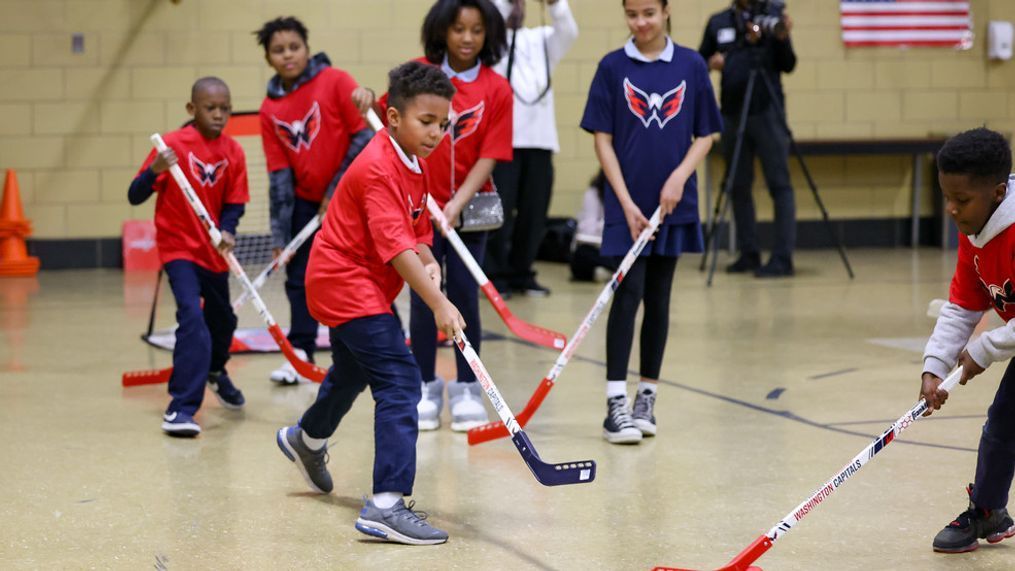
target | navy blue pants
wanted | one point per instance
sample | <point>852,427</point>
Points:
<point>371,351</point>
<point>203,334</point>
<point>464,294</point>
<point>995,461</point>
<point>302,327</point>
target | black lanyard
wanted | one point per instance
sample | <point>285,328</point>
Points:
<point>546,59</point>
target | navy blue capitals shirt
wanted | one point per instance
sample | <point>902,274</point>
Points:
<point>653,110</point>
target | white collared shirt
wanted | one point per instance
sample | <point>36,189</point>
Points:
<point>413,164</point>
<point>632,52</point>
<point>467,76</point>
<point>535,126</point>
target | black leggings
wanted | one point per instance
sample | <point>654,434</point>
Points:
<point>650,279</point>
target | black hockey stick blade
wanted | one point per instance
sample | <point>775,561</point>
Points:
<point>565,473</point>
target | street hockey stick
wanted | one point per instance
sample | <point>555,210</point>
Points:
<point>305,369</point>
<point>494,430</point>
<point>577,472</point>
<point>743,561</point>
<point>523,329</point>
<point>282,259</point>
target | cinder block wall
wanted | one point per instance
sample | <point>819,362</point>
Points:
<point>76,125</point>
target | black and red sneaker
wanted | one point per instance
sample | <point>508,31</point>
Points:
<point>963,534</point>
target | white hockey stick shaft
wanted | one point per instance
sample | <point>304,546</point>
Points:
<point>282,259</point>
<point>188,191</point>
<point>858,461</point>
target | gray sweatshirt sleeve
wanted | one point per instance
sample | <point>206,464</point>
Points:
<point>281,200</point>
<point>951,333</point>
<point>994,345</point>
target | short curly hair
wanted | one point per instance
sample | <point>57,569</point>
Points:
<point>280,24</point>
<point>416,78</point>
<point>982,154</point>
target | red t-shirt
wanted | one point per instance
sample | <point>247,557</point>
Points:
<point>217,170</point>
<point>482,126</point>
<point>984,277</point>
<point>377,212</point>
<point>308,130</point>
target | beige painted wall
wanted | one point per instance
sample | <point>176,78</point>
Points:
<point>76,126</point>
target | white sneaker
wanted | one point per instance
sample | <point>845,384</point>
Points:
<point>467,410</point>
<point>430,404</point>
<point>286,374</point>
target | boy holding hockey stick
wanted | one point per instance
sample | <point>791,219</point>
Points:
<point>375,237</point>
<point>216,167</point>
<point>974,169</point>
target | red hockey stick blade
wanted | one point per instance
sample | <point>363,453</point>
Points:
<point>305,369</point>
<point>494,430</point>
<point>523,329</point>
<point>152,377</point>
<point>743,560</point>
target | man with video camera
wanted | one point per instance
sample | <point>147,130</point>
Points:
<point>755,35</point>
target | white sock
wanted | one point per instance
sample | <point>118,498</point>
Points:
<point>616,389</point>
<point>385,500</point>
<point>313,443</point>
<point>644,386</point>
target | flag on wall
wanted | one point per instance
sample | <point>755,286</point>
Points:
<point>941,23</point>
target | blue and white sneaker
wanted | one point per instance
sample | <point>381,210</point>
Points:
<point>399,524</point>
<point>178,423</point>
<point>225,391</point>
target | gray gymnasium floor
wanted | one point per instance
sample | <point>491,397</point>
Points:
<point>769,389</point>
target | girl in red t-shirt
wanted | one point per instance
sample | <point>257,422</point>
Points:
<point>464,38</point>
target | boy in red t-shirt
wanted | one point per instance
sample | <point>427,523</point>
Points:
<point>311,129</point>
<point>376,237</point>
<point>974,169</point>
<point>217,169</point>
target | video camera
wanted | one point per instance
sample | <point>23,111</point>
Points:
<point>767,15</point>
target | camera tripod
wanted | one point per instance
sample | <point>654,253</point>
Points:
<point>724,198</point>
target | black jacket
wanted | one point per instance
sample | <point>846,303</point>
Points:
<point>725,34</point>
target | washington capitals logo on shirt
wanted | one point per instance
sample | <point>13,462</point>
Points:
<point>652,106</point>
<point>206,174</point>
<point>1001,295</point>
<point>467,122</point>
<point>302,132</point>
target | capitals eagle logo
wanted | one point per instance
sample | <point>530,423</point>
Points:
<point>301,132</point>
<point>1000,295</point>
<point>467,122</point>
<point>206,174</point>
<point>648,107</point>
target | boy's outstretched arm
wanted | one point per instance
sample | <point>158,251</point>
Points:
<point>411,267</point>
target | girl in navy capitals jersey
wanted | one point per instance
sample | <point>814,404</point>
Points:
<point>653,113</point>
<point>464,38</point>
<point>311,130</point>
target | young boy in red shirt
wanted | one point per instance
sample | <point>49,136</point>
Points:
<point>217,169</point>
<point>376,237</point>
<point>311,130</point>
<point>974,169</point>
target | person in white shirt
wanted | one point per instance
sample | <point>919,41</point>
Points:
<point>525,184</point>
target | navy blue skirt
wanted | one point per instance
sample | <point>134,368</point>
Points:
<point>672,240</point>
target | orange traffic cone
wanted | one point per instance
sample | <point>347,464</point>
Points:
<point>14,258</point>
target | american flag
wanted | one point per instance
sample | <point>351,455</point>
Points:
<point>943,23</point>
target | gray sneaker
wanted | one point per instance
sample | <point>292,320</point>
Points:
<point>643,414</point>
<point>466,404</point>
<point>312,463</point>
<point>430,404</point>
<point>399,523</point>
<point>619,428</point>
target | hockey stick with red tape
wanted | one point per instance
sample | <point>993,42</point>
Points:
<point>494,430</point>
<point>743,560</point>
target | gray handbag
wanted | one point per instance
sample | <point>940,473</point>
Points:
<point>483,213</point>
